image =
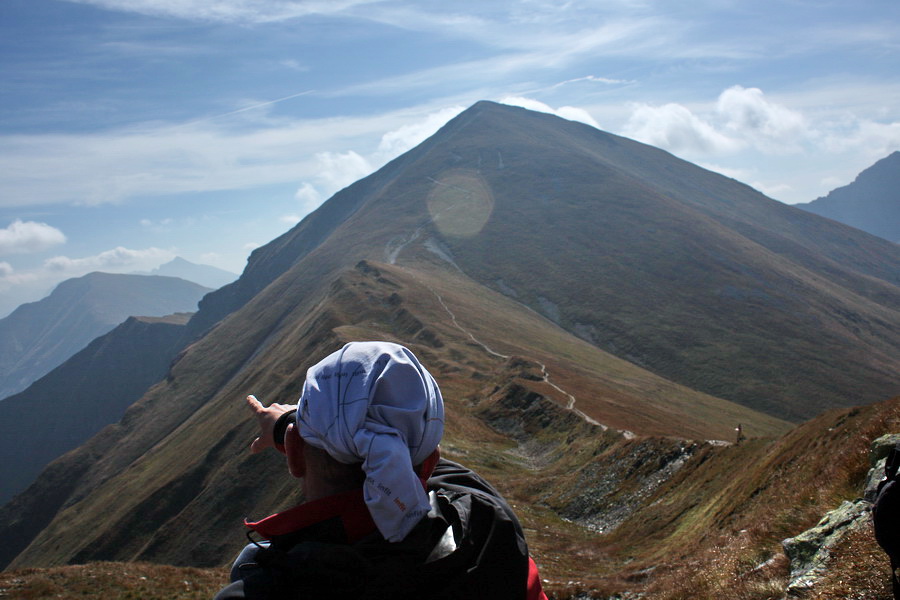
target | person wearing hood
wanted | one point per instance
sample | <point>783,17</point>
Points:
<point>385,516</point>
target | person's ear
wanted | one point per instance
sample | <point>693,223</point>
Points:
<point>293,449</point>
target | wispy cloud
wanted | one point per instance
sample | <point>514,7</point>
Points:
<point>592,79</point>
<point>151,160</point>
<point>228,11</point>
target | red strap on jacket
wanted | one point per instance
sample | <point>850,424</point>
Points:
<point>535,589</point>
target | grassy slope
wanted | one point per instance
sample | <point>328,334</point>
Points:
<point>193,469</point>
<point>723,512</point>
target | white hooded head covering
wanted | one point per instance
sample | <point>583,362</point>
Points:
<point>373,402</point>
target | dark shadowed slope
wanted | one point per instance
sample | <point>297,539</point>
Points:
<point>91,390</point>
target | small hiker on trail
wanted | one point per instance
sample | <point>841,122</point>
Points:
<point>385,516</point>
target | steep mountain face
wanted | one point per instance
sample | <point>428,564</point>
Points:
<point>205,275</point>
<point>91,390</point>
<point>680,270</point>
<point>675,268</point>
<point>540,269</point>
<point>39,336</point>
<point>870,203</point>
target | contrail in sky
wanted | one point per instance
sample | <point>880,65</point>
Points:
<point>254,106</point>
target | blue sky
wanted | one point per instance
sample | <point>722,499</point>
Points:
<point>132,131</point>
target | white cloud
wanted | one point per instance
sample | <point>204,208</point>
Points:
<point>747,114</point>
<point>158,226</point>
<point>876,139</point>
<point>674,127</point>
<point>337,170</point>
<point>742,118</point>
<point>290,219</point>
<point>571,113</point>
<point>309,197</point>
<point>22,237</point>
<point>6,269</point>
<point>116,260</point>
<point>832,182</point>
<point>396,142</point>
<point>734,173</point>
<point>772,190</point>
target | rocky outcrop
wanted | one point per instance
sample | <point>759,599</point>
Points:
<point>619,479</point>
<point>810,551</point>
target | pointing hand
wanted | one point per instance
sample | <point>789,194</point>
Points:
<point>265,417</point>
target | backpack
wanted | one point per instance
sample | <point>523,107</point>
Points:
<point>886,515</point>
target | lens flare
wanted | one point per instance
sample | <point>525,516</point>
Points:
<point>460,203</point>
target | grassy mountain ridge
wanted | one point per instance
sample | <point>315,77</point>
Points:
<point>186,464</point>
<point>38,336</point>
<point>678,269</point>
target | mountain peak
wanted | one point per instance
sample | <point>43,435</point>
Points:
<point>870,203</point>
<point>206,275</point>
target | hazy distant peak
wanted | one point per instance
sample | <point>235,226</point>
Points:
<point>205,275</point>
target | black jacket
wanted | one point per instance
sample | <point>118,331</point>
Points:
<point>470,545</point>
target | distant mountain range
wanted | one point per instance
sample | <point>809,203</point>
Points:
<point>38,336</point>
<point>870,203</point>
<point>205,275</point>
<point>564,285</point>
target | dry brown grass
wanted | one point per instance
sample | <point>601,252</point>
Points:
<point>138,581</point>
